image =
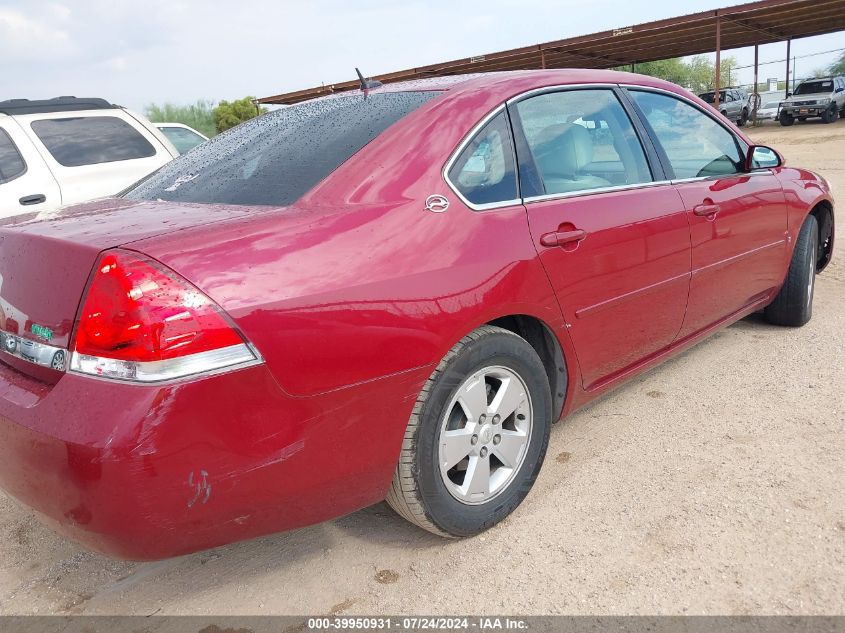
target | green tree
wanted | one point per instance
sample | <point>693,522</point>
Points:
<point>229,114</point>
<point>838,67</point>
<point>197,115</point>
<point>696,73</point>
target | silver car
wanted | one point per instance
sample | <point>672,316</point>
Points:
<point>734,103</point>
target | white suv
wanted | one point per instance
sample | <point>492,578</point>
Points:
<point>67,150</point>
<point>823,97</point>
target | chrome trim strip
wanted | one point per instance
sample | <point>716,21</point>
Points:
<point>34,352</point>
<point>585,192</point>
<point>203,363</point>
<point>558,88</point>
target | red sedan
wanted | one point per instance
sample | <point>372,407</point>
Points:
<point>381,294</point>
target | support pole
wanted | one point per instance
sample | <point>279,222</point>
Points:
<point>756,95</point>
<point>788,42</point>
<point>718,60</point>
<point>542,59</point>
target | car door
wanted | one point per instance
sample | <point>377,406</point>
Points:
<point>612,234</point>
<point>738,219</point>
<point>26,184</point>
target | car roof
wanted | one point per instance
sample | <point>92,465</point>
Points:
<point>501,80</point>
<point>57,104</point>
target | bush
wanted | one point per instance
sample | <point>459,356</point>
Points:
<point>198,116</point>
<point>229,114</point>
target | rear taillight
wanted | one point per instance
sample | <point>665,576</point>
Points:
<point>140,321</point>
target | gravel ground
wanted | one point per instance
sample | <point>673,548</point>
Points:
<point>713,484</point>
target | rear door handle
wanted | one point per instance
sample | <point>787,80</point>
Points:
<point>560,238</point>
<point>706,209</point>
<point>37,198</point>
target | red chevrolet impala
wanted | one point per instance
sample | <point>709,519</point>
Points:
<point>381,294</point>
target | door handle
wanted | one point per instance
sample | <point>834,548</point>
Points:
<point>37,198</point>
<point>560,238</point>
<point>706,209</point>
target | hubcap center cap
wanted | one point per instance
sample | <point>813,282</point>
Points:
<point>486,434</point>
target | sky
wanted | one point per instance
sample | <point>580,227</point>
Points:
<point>155,51</point>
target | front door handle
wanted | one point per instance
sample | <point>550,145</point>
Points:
<point>706,209</point>
<point>37,198</point>
<point>560,238</point>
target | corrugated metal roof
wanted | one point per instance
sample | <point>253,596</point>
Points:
<point>742,25</point>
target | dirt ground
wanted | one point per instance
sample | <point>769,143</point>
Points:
<point>713,484</point>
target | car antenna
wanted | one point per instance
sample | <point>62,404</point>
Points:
<point>367,84</point>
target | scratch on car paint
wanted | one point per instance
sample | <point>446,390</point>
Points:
<point>286,453</point>
<point>201,487</point>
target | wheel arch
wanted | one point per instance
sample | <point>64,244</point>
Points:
<point>541,337</point>
<point>823,212</point>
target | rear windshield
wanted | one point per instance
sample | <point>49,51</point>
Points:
<point>814,87</point>
<point>276,158</point>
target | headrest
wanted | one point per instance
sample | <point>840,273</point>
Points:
<point>563,149</point>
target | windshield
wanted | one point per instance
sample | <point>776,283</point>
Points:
<point>710,97</point>
<point>182,138</point>
<point>814,87</point>
<point>276,158</point>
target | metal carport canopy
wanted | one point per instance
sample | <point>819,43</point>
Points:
<point>742,25</point>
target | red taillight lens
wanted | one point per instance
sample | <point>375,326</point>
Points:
<point>140,321</point>
<point>136,310</point>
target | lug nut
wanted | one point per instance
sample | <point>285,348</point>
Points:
<point>482,418</point>
<point>496,419</point>
<point>484,451</point>
<point>497,439</point>
<point>473,440</point>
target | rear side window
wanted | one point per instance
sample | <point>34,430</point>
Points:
<point>78,141</point>
<point>581,140</point>
<point>12,164</point>
<point>276,158</point>
<point>484,172</point>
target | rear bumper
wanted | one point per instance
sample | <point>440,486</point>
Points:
<point>147,472</point>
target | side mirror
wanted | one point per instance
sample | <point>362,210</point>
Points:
<point>762,157</point>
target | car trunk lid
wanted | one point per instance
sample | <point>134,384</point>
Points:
<point>45,264</point>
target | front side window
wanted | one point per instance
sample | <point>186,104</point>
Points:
<point>12,164</point>
<point>582,139</point>
<point>485,172</point>
<point>79,141</point>
<point>695,144</point>
<point>276,158</point>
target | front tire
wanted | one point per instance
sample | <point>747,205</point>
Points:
<point>793,305</point>
<point>831,114</point>
<point>786,119</point>
<point>476,438</point>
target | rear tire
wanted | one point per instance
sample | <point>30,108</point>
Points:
<point>793,305</point>
<point>786,119</point>
<point>454,435</point>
